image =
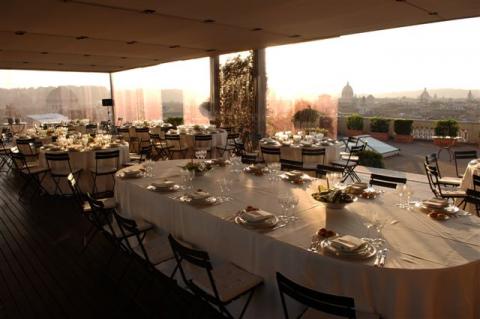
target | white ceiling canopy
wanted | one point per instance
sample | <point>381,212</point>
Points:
<point>114,35</point>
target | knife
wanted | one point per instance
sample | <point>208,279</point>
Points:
<point>383,256</point>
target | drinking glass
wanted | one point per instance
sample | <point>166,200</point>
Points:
<point>400,192</point>
<point>293,203</point>
<point>284,201</point>
<point>225,188</point>
<point>408,192</point>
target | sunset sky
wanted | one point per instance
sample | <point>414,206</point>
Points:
<point>439,55</point>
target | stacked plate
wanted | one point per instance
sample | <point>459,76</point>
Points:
<point>347,246</point>
<point>200,197</point>
<point>256,219</point>
<point>131,173</point>
<point>438,209</point>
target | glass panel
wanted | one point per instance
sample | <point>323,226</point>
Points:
<point>177,89</point>
<point>37,96</point>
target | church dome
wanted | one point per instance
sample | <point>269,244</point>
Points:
<point>347,92</point>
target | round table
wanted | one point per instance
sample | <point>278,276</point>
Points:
<point>84,160</point>
<point>432,269</point>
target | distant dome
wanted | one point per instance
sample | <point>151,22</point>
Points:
<point>347,92</point>
<point>425,96</point>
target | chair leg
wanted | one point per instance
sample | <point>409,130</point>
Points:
<point>247,303</point>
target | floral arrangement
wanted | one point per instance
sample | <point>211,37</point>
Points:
<point>198,167</point>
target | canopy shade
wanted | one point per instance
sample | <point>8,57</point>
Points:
<point>47,118</point>
<point>114,35</point>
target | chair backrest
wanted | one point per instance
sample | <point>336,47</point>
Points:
<point>107,157</point>
<point>130,227</point>
<point>313,155</point>
<point>288,165</point>
<point>432,160</point>
<point>476,181</point>
<point>386,181</point>
<point>322,170</point>
<point>172,137</point>
<point>58,163</point>
<point>270,150</point>
<point>331,304</point>
<point>197,258</point>
<point>232,136</point>
<point>432,176</point>
<point>26,146</point>
<point>203,137</point>
<point>100,216</point>
<point>463,155</point>
<point>19,160</point>
<point>473,197</point>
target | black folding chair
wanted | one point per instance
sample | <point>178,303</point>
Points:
<point>250,159</point>
<point>175,146</point>
<point>436,186</point>
<point>60,167</point>
<point>473,197</point>
<point>159,145</point>
<point>315,153</point>
<point>476,182</point>
<point>339,306</point>
<point>271,152</point>
<point>91,128</point>
<point>289,165</point>
<point>106,163</point>
<point>386,181</point>
<point>202,142</point>
<point>33,175</point>
<point>5,156</point>
<point>209,285</point>
<point>463,155</point>
<point>432,160</point>
<point>349,162</point>
<point>229,146</point>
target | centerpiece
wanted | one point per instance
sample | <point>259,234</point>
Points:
<point>334,198</point>
<point>200,168</point>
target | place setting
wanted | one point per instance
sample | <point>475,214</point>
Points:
<point>165,186</point>
<point>199,198</point>
<point>440,209</point>
<point>131,173</point>
<point>296,177</point>
<point>257,219</point>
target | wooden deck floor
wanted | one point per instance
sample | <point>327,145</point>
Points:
<point>43,274</point>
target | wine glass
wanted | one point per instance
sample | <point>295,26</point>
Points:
<point>400,192</point>
<point>293,203</point>
<point>408,191</point>
<point>284,201</point>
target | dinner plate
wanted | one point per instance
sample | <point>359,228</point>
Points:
<point>211,200</point>
<point>365,251</point>
<point>128,176</point>
<point>266,224</point>
<point>173,188</point>
<point>449,210</point>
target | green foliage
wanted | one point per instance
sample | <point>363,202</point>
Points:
<point>307,117</point>
<point>237,95</point>
<point>355,122</point>
<point>403,127</point>
<point>371,159</point>
<point>446,128</point>
<point>379,125</point>
<point>175,121</point>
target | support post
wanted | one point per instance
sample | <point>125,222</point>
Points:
<point>214,86</point>
<point>113,100</point>
<point>260,91</point>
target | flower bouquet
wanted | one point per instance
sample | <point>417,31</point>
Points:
<point>200,168</point>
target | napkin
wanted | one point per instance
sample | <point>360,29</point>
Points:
<point>255,216</point>
<point>435,203</point>
<point>347,243</point>
<point>131,172</point>
<point>199,195</point>
<point>294,174</point>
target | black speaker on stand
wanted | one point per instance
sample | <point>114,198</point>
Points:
<point>108,103</point>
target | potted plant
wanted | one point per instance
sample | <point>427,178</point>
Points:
<point>370,159</point>
<point>354,125</point>
<point>446,132</point>
<point>306,118</point>
<point>379,128</point>
<point>175,121</point>
<point>403,131</point>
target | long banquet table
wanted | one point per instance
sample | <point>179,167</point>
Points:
<point>432,269</point>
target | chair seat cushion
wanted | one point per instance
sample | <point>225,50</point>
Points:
<point>108,203</point>
<point>230,280</point>
<point>64,172</point>
<point>450,181</point>
<point>158,250</point>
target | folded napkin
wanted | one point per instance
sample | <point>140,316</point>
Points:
<point>131,172</point>
<point>164,184</point>
<point>255,216</point>
<point>294,174</point>
<point>347,243</point>
<point>435,203</point>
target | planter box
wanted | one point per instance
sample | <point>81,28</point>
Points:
<point>400,138</point>
<point>444,142</point>
<point>382,136</point>
<point>354,132</point>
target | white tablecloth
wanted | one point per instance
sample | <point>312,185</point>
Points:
<point>432,271</point>
<point>85,161</point>
<point>188,141</point>
<point>294,153</point>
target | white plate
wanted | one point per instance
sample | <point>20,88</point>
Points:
<point>266,224</point>
<point>173,188</point>
<point>123,175</point>
<point>365,251</point>
<point>211,200</point>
